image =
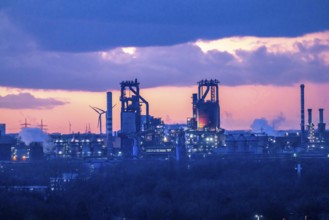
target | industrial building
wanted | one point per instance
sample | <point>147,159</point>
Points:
<point>312,139</point>
<point>6,143</point>
<point>79,145</point>
<point>131,125</point>
<point>204,135</point>
<point>142,136</point>
<point>316,139</point>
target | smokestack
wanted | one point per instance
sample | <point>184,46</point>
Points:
<point>109,129</point>
<point>321,125</point>
<point>194,104</point>
<point>309,116</point>
<point>2,130</point>
<point>302,116</point>
<point>321,115</point>
<point>302,110</point>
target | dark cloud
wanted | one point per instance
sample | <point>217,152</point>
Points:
<point>92,25</point>
<point>28,101</point>
<point>24,65</point>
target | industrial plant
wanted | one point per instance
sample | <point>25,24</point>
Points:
<point>143,136</point>
<point>148,161</point>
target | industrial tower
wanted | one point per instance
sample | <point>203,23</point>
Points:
<point>131,101</point>
<point>208,110</point>
<point>204,135</point>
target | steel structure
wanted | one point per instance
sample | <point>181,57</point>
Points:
<point>208,110</point>
<point>131,101</point>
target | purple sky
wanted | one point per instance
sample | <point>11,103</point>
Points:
<point>81,45</point>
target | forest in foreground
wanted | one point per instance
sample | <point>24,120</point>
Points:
<point>202,189</point>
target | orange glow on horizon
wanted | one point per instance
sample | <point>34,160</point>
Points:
<point>240,105</point>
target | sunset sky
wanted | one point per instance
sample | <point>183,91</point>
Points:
<point>58,57</point>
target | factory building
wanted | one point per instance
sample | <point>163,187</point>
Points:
<point>243,142</point>
<point>155,143</point>
<point>312,139</point>
<point>141,136</point>
<point>317,139</point>
<point>131,125</point>
<point>6,144</point>
<point>204,135</point>
<point>79,146</point>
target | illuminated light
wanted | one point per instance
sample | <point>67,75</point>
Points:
<point>258,217</point>
<point>294,155</point>
<point>60,152</point>
<point>15,157</point>
<point>24,157</point>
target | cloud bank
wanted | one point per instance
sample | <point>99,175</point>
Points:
<point>25,63</point>
<point>93,25</point>
<point>28,101</point>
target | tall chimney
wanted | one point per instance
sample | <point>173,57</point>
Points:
<point>320,115</point>
<point>321,125</point>
<point>194,104</point>
<point>109,129</point>
<point>302,116</point>
<point>309,116</point>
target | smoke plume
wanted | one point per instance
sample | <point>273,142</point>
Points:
<point>263,125</point>
<point>29,135</point>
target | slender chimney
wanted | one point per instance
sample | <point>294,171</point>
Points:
<point>194,104</point>
<point>321,125</point>
<point>320,115</point>
<point>309,116</point>
<point>302,116</point>
<point>109,129</point>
